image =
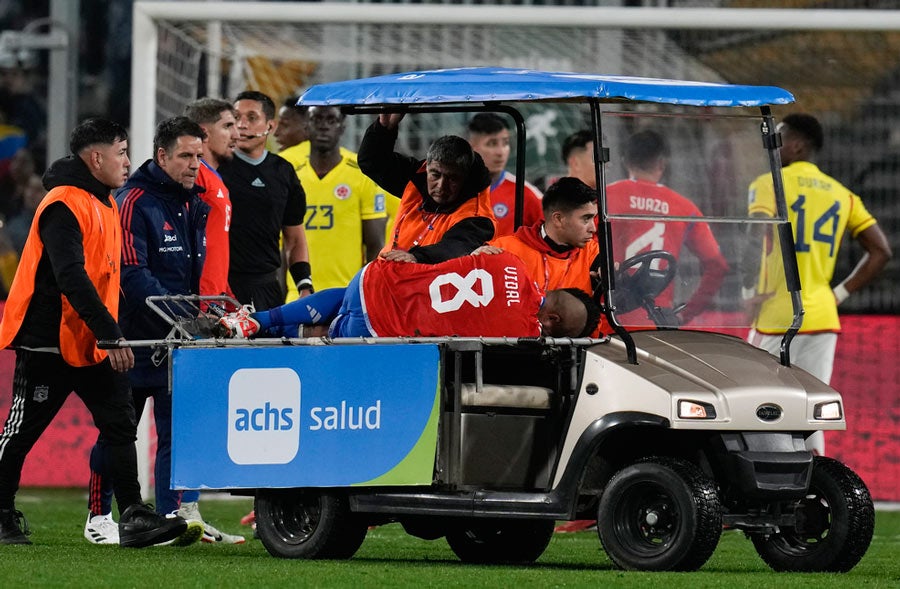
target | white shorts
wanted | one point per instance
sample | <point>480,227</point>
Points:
<point>813,352</point>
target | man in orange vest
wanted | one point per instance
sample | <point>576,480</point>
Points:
<point>445,208</point>
<point>561,251</point>
<point>63,300</point>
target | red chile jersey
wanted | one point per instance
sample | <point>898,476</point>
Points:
<point>632,237</point>
<point>485,295</point>
<point>503,202</point>
<point>214,277</point>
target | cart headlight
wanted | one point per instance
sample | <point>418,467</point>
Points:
<point>830,410</point>
<point>695,410</point>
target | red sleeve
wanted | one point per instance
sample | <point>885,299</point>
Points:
<point>701,241</point>
<point>214,277</point>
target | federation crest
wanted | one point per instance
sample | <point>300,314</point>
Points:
<point>342,192</point>
<point>500,210</point>
<point>41,393</point>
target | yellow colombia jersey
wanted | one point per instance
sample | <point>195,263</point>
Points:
<point>820,210</point>
<point>298,154</point>
<point>336,206</point>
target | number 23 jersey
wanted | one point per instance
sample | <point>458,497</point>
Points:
<point>820,210</point>
<point>336,207</point>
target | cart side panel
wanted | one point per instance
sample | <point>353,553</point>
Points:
<point>303,416</point>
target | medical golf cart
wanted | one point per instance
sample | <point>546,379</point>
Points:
<point>661,432</point>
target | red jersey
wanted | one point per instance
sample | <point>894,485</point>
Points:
<point>487,295</point>
<point>631,237</point>
<point>503,200</point>
<point>214,277</point>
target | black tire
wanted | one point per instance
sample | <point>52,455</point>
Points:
<point>310,524</point>
<point>500,541</point>
<point>835,522</point>
<point>660,514</point>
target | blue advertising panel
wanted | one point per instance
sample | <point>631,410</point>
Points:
<point>304,416</point>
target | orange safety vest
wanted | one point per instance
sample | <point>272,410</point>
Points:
<point>102,243</point>
<point>415,227</point>
<point>554,271</point>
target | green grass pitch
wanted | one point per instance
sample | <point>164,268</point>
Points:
<point>61,557</point>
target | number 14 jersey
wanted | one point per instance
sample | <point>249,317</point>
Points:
<point>820,210</point>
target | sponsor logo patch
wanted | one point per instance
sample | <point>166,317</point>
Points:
<point>263,416</point>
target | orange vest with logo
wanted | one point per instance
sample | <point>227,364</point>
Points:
<point>551,272</point>
<point>102,243</point>
<point>416,227</point>
<point>557,272</point>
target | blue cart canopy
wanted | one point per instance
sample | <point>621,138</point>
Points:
<point>486,84</point>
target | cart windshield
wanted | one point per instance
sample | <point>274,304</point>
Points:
<point>692,224</point>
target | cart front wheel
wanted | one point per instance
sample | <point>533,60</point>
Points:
<point>834,524</point>
<point>660,514</point>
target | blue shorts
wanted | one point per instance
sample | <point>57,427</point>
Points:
<point>351,320</point>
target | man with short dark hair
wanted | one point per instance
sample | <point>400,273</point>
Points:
<point>561,251</point>
<point>63,300</point>
<point>489,137</point>
<point>646,159</point>
<point>216,118</point>
<point>163,250</point>
<point>291,128</point>
<point>345,208</point>
<point>578,155</point>
<point>268,202</point>
<point>445,208</point>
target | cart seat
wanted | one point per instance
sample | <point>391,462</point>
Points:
<point>499,395</point>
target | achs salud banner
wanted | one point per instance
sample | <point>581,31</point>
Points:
<point>304,416</point>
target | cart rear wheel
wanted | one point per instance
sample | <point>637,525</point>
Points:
<point>311,524</point>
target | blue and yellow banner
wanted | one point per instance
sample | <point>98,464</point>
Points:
<point>304,416</point>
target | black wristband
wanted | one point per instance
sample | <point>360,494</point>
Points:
<point>300,271</point>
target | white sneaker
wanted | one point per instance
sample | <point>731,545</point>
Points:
<point>101,529</point>
<point>212,536</point>
<point>191,512</point>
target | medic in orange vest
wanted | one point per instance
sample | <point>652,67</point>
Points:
<point>63,299</point>
<point>560,252</point>
<point>445,208</point>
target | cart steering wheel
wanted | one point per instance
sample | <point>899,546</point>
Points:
<point>638,283</point>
